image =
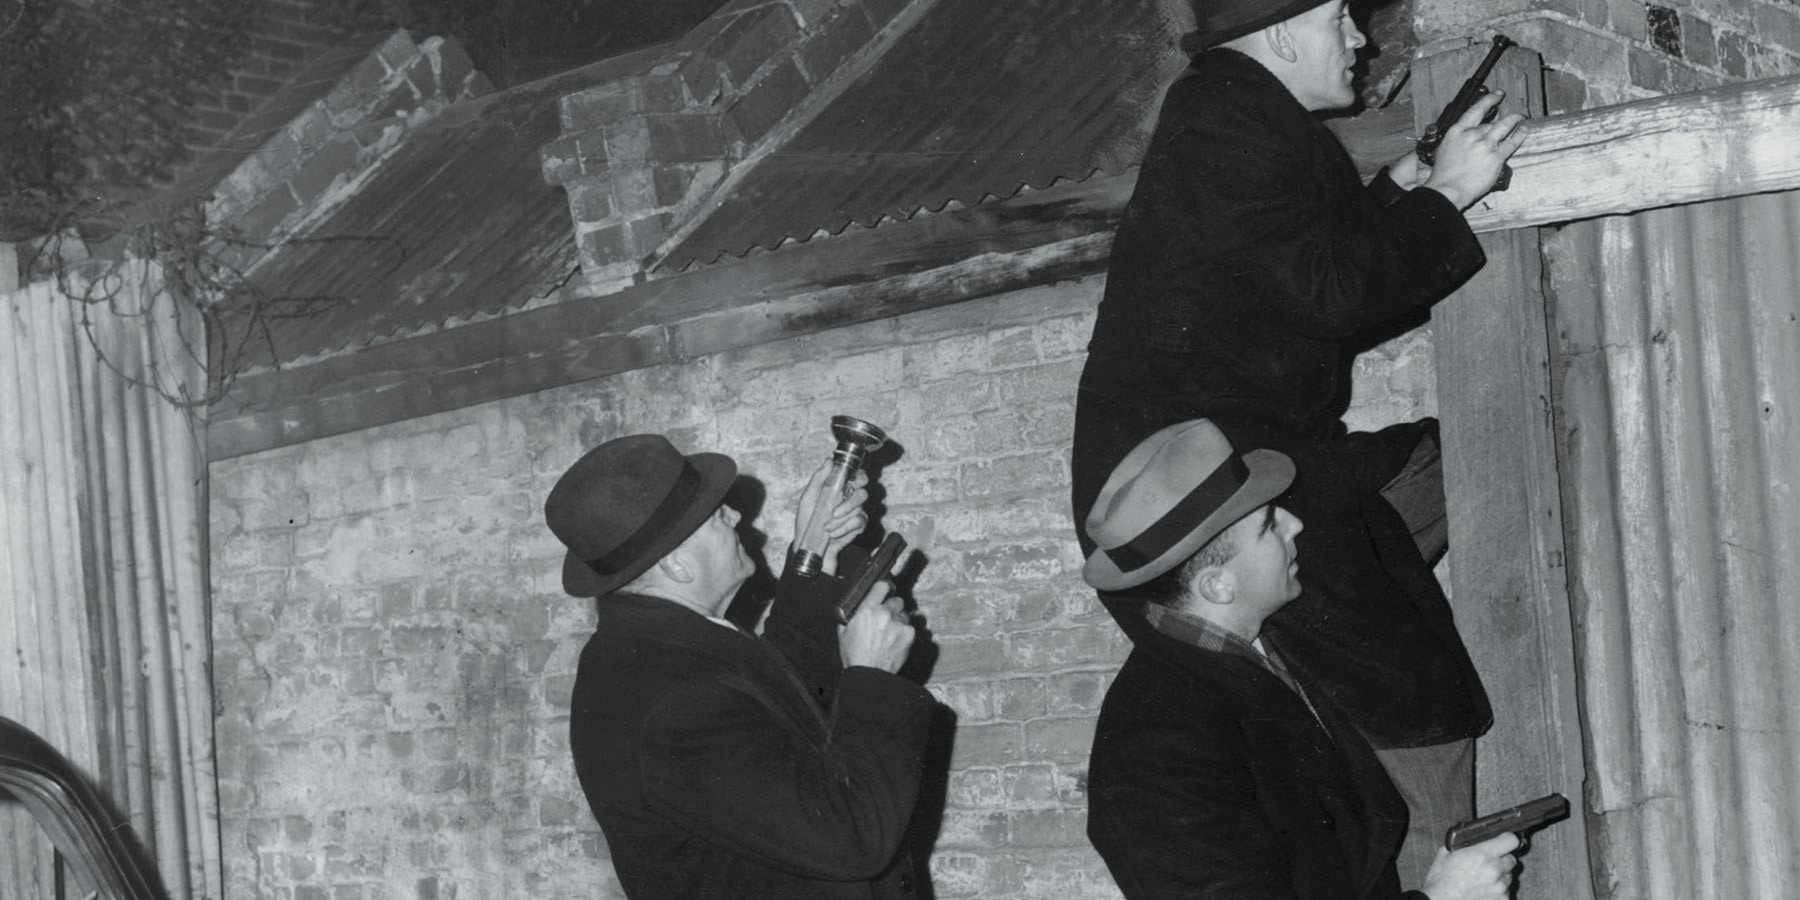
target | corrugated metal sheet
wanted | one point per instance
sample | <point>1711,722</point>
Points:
<point>104,642</point>
<point>45,647</point>
<point>458,223</point>
<point>976,101</point>
<point>1680,417</point>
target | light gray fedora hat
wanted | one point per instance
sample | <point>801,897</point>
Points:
<point>1171,494</point>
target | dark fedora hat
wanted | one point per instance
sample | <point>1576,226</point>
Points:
<point>1171,494</point>
<point>1218,21</point>
<point>626,503</point>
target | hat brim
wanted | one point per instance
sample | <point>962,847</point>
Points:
<point>717,472</point>
<point>1271,473</point>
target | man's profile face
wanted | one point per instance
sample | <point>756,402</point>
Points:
<point>1325,41</point>
<point>714,547</point>
<point>1267,565</point>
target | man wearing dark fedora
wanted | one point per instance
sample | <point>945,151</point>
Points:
<point>1218,770</point>
<point>1250,266</point>
<point>715,765</point>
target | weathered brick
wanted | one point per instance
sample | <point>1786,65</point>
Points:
<point>1014,563</point>
<point>810,13</point>
<point>1076,693</point>
<point>1777,26</point>
<point>840,37</point>
<point>1628,19</point>
<point>987,609</point>
<point>963,875</point>
<point>959,656</point>
<point>590,200</point>
<point>761,107</point>
<point>1059,740</point>
<point>684,138</point>
<point>1072,872</point>
<point>701,77</point>
<point>598,106</point>
<point>672,184</point>
<point>604,245</point>
<point>972,829</point>
<point>1047,828</point>
<point>1064,647</point>
<point>975,789</point>
<point>1663,25</point>
<point>262,220</point>
<point>559,811</point>
<point>1697,41</point>
<point>990,744</point>
<point>767,33</point>
<point>573,156</point>
<point>451,65</point>
<point>627,141</point>
<point>1026,473</point>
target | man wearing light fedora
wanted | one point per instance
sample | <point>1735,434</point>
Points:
<point>706,754</point>
<point>1218,770</point>
<point>1249,268</point>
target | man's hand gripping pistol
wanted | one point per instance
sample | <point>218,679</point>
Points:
<point>1472,90</point>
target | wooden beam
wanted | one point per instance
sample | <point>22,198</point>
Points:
<point>1508,585</point>
<point>863,274</point>
<point>1684,148</point>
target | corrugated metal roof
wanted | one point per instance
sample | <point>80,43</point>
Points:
<point>1680,338</point>
<point>458,223</point>
<point>976,101</point>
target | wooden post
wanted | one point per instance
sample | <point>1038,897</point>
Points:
<point>1508,586</point>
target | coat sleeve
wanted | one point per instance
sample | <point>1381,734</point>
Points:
<point>1327,257</point>
<point>720,762</point>
<point>802,625</point>
<point>1178,817</point>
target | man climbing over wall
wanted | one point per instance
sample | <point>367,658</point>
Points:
<point>703,749</point>
<point>1250,265</point>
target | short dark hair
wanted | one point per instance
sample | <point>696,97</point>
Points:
<point>1169,587</point>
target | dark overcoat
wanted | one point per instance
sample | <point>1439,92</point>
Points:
<point>1210,778</point>
<point>714,772</point>
<point>1250,262</point>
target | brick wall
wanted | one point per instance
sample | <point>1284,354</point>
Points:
<point>1602,52</point>
<point>341,115</point>
<point>394,655</point>
<point>284,35</point>
<point>638,155</point>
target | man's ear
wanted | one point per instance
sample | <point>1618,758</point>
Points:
<point>1281,41</point>
<point>1213,584</point>
<point>674,567</point>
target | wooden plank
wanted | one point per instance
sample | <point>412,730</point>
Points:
<point>861,275</point>
<point>1508,585</point>
<point>1684,148</point>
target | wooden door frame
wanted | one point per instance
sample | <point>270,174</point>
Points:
<point>1493,340</point>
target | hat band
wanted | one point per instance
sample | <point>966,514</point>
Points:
<point>655,526</point>
<point>1181,520</point>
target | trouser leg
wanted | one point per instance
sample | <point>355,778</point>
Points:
<point>1438,784</point>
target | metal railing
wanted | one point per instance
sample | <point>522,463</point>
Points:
<point>96,840</point>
